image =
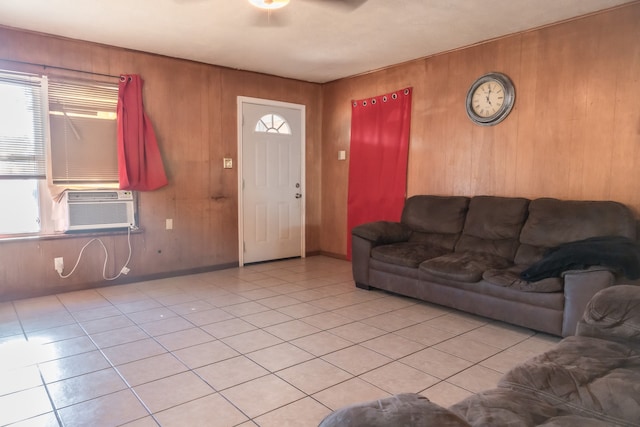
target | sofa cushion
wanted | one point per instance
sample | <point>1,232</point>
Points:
<point>402,410</point>
<point>552,222</point>
<point>382,232</point>
<point>614,314</point>
<point>440,215</point>
<point>443,240</point>
<point>504,407</point>
<point>406,253</point>
<point>510,278</point>
<point>584,376</point>
<point>574,421</point>
<point>463,266</point>
<point>528,254</point>
<point>617,253</point>
<point>505,248</point>
<point>493,225</point>
<point>448,292</point>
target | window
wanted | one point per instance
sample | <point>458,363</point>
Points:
<point>273,123</point>
<point>22,215</point>
<point>82,120</point>
<point>22,129</point>
<point>22,160</point>
<point>74,123</point>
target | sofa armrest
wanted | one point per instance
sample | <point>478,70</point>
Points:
<point>360,256</point>
<point>365,237</point>
<point>579,287</point>
<point>382,232</point>
<point>400,410</point>
<point>613,314</point>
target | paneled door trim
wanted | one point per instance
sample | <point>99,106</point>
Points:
<point>241,100</point>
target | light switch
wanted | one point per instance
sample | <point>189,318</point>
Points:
<point>227,163</point>
<point>169,224</point>
<point>342,155</point>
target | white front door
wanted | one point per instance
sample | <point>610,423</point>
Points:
<point>271,185</point>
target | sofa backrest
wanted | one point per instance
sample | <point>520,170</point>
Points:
<point>493,225</point>
<point>552,222</point>
<point>437,220</point>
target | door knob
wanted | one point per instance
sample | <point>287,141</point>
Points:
<point>298,195</point>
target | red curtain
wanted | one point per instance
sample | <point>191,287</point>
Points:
<point>378,159</point>
<point>139,162</point>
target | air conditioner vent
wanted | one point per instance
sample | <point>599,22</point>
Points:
<point>98,210</point>
<point>105,195</point>
<point>98,214</point>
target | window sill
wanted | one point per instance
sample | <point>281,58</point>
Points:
<point>63,236</point>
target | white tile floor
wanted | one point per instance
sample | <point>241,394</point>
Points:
<point>275,344</point>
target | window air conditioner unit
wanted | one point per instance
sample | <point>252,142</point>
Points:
<point>98,210</point>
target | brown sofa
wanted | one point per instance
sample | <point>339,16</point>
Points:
<point>588,380</point>
<point>471,254</point>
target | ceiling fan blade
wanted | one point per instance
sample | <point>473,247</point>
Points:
<point>343,4</point>
<point>270,18</point>
<point>280,17</point>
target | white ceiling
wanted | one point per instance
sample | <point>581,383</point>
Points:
<point>308,40</point>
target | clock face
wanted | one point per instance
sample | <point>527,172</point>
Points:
<point>490,99</point>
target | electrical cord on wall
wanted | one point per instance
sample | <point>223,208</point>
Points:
<point>123,270</point>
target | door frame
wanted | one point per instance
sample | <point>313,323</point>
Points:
<point>241,100</point>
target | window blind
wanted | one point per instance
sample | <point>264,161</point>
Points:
<point>22,125</point>
<point>83,132</point>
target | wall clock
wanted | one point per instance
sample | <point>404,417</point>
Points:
<point>490,99</point>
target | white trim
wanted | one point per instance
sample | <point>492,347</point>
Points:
<point>302,109</point>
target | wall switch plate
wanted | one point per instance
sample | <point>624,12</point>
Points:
<point>169,224</point>
<point>227,163</point>
<point>342,155</point>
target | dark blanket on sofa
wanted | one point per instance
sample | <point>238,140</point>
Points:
<point>621,254</point>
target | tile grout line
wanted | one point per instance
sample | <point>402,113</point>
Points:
<point>169,298</point>
<point>100,349</point>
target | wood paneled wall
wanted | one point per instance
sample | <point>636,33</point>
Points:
<point>574,132</point>
<point>193,109</point>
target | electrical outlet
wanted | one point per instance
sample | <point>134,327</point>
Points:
<point>58,264</point>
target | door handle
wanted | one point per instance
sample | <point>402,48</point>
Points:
<point>298,195</point>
